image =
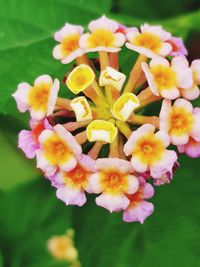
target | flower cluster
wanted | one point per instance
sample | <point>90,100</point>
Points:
<point>101,142</point>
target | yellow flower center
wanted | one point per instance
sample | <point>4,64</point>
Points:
<point>56,151</point>
<point>149,149</point>
<point>180,121</point>
<point>164,77</point>
<point>148,40</point>
<point>113,182</point>
<point>101,37</point>
<point>70,44</point>
<point>38,96</point>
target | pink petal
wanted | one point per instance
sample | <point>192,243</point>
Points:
<point>139,212</point>
<point>112,202</point>
<point>27,143</point>
<point>120,165</point>
<point>71,196</point>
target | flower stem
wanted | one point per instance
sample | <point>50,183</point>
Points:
<point>135,74</point>
<point>81,137</point>
<point>63,103</point>
<point>114,60</point>
<point>140,120</point>
<point>114,153</point>
<point>104,59</point>
<point>146,97</point>
<point>124,128</point>
<point>94,151</point>
<point>74,125</point>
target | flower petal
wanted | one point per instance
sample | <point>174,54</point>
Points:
<point>71,196</point>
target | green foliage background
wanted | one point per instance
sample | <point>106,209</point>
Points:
<point>29,210</point>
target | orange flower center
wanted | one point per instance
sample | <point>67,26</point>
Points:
<point>77,177</point>
<point>101,37</point>
<point>37,131</point>
<point>180,121</point>
<point>113,182</point>
<point>70,44</point>
<point>56,151</point>
<point>148,40</point>
<point>38,96</point>
<point>135,198</point>
<point>149,149</point>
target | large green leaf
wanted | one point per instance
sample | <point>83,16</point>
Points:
<point>30,215</point>
<point>170,237</point>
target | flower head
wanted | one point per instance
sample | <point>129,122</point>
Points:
<point>103,36</point>
<point>166,79</point>
<point>39,99</point>
<point>150,41</point>
<point>180,121</point>
<point>148,151</point>
<point>113,180</point>
<point>139,209</point>
<point>69,48</point>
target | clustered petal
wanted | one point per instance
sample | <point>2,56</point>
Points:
<point>102,141</point>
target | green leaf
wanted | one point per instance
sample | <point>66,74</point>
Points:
<point>30,215</point>
<point>170,237</point>
<point>26,39</point>
<point>15,168</point>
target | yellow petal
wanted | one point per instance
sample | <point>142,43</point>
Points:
<point>112,77</point>
<point>81,108</point>
<point>80,78</point>
<point>125,105</point>
<point>100,130</point>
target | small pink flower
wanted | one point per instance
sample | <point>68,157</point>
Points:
<point>139,209</point>
<point>150,41</point>
<point>69,48</point>
<point>148,151</point>
<point>180,121</point>
<point>103,36</point>
<point>178,48</point>
<point>58,149</point>
<point>39,99</point>
<point>167,79</point>
<point>28,140</point>
<point>113,180</point>
<point>72,184</point>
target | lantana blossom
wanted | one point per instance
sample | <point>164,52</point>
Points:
<point>103,36</point>
<point>139,209</point>
<point>39,99</point>
<point>150,41</point>
<point>58,149</point>
<point>103,140</point>
<point>69,48</point>
<point>72,184</point>
<point>167,79</point>
<point>148,151</point>
<point>114,179</point>
<point>180,121</point>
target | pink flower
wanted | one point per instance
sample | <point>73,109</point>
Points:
<point>139,209</point>
<point>178,48</point>
<point>69,48</point>
<point>113,180</point>
<point>58,149</point>
<point>72,184</point>
<point>167,79</point>
<point>28,140</point>
<point>180,121</point>
<point>148,151</point>
<point>151,41</point>
<point>39,99</point>
<point>103,36</point>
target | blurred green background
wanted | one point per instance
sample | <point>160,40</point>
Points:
<point>29,210</point>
